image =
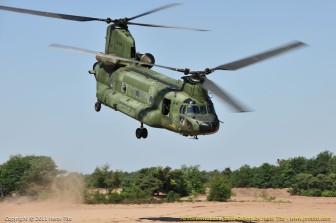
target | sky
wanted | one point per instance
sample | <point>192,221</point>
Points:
<point>47,96</point>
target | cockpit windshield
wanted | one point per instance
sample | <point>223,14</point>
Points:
<point>192,108</point>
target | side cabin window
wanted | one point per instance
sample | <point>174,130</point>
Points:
<point>123,88</point>
<point>151,100</point>
<point>166,106</point>
<point>133,52</point>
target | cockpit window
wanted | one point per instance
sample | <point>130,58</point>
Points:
<point>182,109</point>
<point>189,101</point>
<point>203,109</point>
<point>211,109</point>
<point>193,110</point>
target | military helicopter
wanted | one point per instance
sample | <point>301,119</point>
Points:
<point>126,83</point>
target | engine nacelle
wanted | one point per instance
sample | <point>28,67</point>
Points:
<point>106,60</point>
<point>147,58</point>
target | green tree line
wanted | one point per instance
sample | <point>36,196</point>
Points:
<point>26,175</point>
<point>153,184</point>
<point>307,177</point>
<point>29,175</point>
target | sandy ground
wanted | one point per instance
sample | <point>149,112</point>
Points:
<point>248,205</point>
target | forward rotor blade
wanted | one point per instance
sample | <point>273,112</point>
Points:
<point>225,97</point>
<point>51,14</point>
<point>258,57</point>
<point>169,27</point>
<point>154,10</point>
<point>108,20</point>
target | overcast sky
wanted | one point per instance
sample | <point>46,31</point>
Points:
<point>47,97</point>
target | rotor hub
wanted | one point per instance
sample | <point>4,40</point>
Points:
<point>108,20</point>
<point>121,22</point>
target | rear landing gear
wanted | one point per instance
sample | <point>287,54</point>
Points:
<point>97,106</point>
<point>141,132</point>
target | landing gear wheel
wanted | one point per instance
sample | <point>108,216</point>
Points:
<point>141,132</point>
<point>144,133</point>
<point>97,106</point>
<point>138,133</point>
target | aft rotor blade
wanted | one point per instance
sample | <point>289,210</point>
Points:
<point>259,57</point>
<point>169,27</point>
<point>224,96</point>
<point>111,56</point>
<point>52,15</point>
<point>154,10</point>
<point>73,49</point>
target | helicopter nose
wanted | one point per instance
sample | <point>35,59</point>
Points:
<point>209,126</point>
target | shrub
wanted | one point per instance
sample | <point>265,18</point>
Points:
<point>172,197</point>
<point>115,198</point>
<point>194,180</point>
<point>311,193</point>
<point>329,193</point>
<point>134,194</point>
<point>94,198</point>
<point>220,189</point>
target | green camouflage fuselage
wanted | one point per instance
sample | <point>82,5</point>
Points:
<point>150,97</point>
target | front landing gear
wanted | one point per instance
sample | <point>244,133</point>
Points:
<point>97,106</point>
<point>141,132</point>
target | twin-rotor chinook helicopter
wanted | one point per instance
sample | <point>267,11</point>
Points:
<point>126,83</point>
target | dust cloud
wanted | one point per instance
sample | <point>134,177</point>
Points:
<point>66,189</point>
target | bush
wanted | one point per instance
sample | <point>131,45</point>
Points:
<point>194,180</point>
<point>220,189</point>
<point>311,193</point>
<point>172,197</point>
<point>134,194</point>
<point>329,193</point>
<point>115,198</point>
<point>94,198</point>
